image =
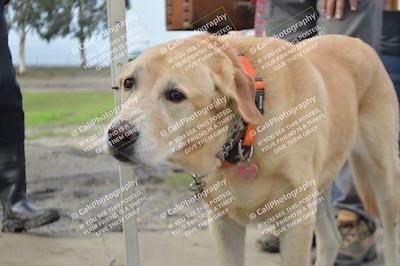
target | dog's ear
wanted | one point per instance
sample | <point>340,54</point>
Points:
<point>239,87</point>
<point>244,94</point>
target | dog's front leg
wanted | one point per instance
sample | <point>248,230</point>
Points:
<point>230,240</point>
<point>296,245</point>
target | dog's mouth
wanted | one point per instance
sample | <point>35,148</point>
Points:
<point>122,158</point>
<point>124,155</point>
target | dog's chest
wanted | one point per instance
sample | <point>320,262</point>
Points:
<point>238,204</point>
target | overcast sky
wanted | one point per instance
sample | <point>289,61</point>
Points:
<point>58,52</point>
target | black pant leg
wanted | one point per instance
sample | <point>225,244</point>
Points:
<point>11,112</point>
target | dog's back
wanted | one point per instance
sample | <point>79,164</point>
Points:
<point>360,102</point>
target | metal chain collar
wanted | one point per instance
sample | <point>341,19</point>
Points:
<point>235,133</point>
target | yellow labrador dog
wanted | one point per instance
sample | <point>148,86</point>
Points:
<point>342,76</point>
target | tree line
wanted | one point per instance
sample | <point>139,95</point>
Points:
<point>78,19</point>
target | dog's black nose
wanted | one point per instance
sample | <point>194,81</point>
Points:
<point>122,135</point>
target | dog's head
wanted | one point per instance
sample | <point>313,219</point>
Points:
<point>175,100</point>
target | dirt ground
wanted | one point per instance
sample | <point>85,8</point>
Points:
<point>63,176</point>
<point>156,248</point>
<point>64,78</point>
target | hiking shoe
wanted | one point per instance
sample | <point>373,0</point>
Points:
<point>357,244</point>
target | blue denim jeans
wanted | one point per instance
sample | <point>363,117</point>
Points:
<point>344,196</point>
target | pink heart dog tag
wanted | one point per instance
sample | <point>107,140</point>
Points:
<point>247,172</point>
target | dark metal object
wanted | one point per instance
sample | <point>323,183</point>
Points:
<point>197,184</point>
<point>193,14</point>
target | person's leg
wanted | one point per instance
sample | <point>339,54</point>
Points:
<point>357,226</point>
<point>282,14</point>
<point>11,114</point>
<point>18,213</point>
<point>364,23</point>
<point>348,199</point>
<point>390,47</point>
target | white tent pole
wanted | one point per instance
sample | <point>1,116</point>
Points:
<point>116,15</point>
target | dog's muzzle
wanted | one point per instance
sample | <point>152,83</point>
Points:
<point>121,137</point>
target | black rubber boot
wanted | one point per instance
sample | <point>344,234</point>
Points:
<point>19,214</point>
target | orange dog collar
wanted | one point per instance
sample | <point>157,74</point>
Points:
<point>236,146</point>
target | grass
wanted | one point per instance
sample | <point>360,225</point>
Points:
<point>179,179</point>
<point>64,108</point>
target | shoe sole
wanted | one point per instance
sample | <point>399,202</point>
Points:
<point>369,256</point>
<point>17,225</point>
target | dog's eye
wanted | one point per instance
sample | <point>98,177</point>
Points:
<point>129,83</point>
<point>175,96</point>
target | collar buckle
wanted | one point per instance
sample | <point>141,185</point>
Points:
<point>241,151</point>
<point>197,184</point>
